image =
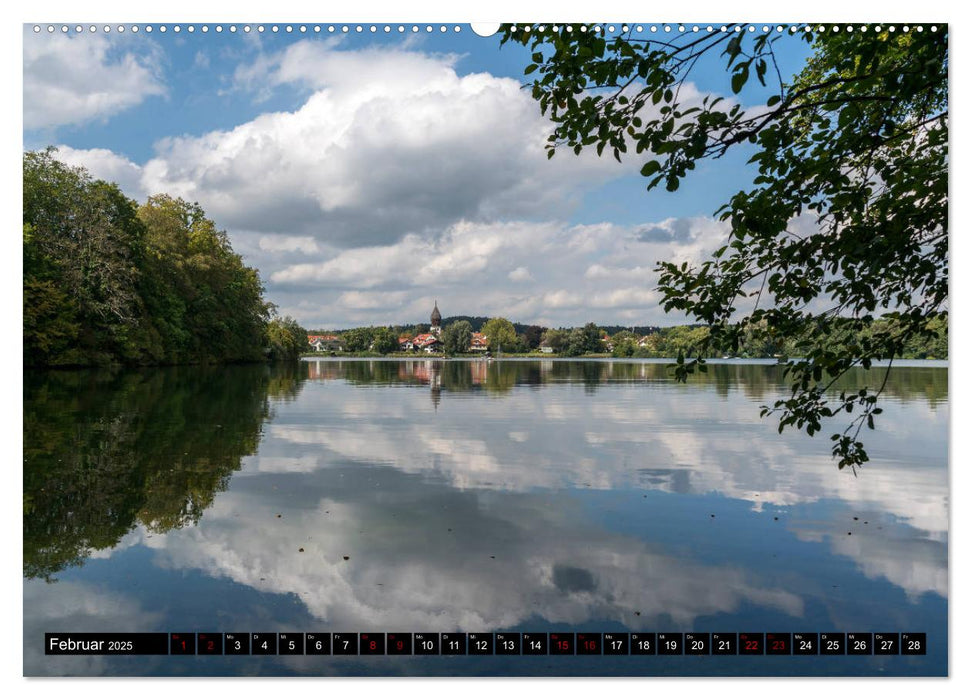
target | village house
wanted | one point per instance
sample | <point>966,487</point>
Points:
<point>480,343</point>
<point>427,342</point>
<point>325,343</point>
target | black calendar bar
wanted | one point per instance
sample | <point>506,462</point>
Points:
<point>488,643</point>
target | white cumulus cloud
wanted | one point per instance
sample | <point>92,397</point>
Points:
<point>388,143</point>
<point>77,79</point>
<point>106,165</point>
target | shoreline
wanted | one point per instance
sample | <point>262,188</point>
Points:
<point>764,361</point>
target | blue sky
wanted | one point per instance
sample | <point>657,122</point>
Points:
<point>368,174</point>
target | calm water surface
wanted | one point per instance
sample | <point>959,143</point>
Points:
<point>431,496</point>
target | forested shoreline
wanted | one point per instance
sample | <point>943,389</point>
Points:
<point>109,281</point>
<point>510,338</point>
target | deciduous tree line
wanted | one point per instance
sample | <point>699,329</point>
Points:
<point>108,281</point>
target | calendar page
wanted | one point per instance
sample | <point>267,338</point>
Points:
<point>539,349</point>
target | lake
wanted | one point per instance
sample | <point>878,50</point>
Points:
<point>465,496</point>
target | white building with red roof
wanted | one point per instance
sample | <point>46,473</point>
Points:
<point>321,343</point>
<point>480,343</point>
<point>426,342</point>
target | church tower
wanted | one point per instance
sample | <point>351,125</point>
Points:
<point>436,319</point>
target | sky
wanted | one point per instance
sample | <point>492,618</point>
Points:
<point>368,175</point>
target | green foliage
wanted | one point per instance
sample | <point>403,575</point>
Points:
<point>385,341</point>
<point>199,288</point>
<point>532,336</point>
<point>105,451</point>
<point>358,339</point>
<point>846,219</point>
<point>557,339</point>
<point>584,340</point>
<point>457,337</point>
<point>81,247</point>
<point>500,333</point>
<point>286,339</point>
<point>107,281</point>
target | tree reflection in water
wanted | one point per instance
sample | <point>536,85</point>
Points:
<point>106,451</point>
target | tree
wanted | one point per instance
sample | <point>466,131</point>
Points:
<point>847,215</point>
<point>107,281</point>
<point>385,340</point>
<point>286,339</point>
<point>584,340</point>
<point>203,302</point>
<point>685,341</point>
<point>358,339</point>
<point>625,344</point>
<point>533,335</point>
<point>457,337</point>
<point>623,336</point>
<point>499,332</point>
<point>556,338</point>
<point>82,245</point>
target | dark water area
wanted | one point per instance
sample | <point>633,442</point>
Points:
<point>444,496</point>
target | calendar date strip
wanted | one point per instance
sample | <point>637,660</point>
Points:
<point>487,643</point>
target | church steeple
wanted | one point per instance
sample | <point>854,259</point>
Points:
<point>436,318</point>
